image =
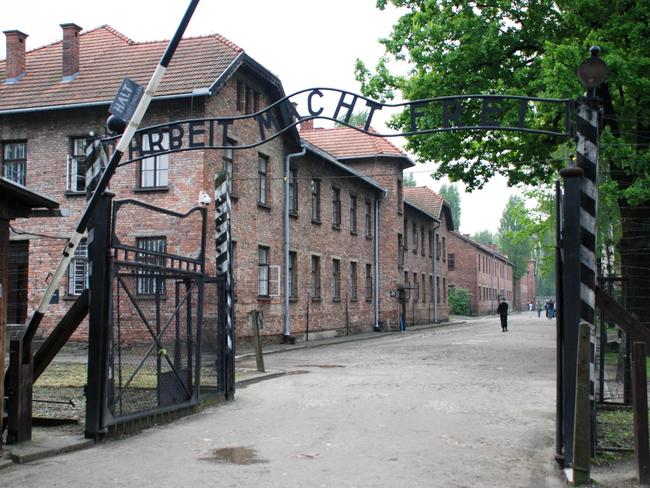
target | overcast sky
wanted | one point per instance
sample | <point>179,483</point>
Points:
<point>304,42</point>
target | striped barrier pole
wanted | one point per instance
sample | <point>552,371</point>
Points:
<point>223,240</point>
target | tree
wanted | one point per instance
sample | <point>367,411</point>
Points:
<point>452,196</point>
<point>356,119</point>
<point>531,48</point>
<point>485,237</point>
<point>408,181</point>
<point>459,301</point>
<point>515,235</point>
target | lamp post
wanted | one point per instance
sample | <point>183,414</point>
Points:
<point>579,265</point>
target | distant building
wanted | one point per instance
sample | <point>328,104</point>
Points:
<point>483,271</point>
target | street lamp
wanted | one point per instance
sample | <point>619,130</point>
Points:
<point>592,71</point>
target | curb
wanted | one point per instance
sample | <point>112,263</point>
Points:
<point>35,450</point>
<point>345,339</point>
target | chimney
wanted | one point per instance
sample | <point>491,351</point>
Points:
<point>307,124</point>
<point>15,55</point>
<point>70,51</point>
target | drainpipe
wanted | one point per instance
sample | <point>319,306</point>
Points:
<point>287,174</point>
<point>434,281</point>
<point>375,259</point>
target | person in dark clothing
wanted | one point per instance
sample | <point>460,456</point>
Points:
<point>502,310</point>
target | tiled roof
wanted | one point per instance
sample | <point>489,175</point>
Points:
<point>348,143</point>
<point>106,57</point>
<point>425,198</point>
<point>495,253</point>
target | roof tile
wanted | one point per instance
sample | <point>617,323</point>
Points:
<point>106,57</point>
<point>346,142</point>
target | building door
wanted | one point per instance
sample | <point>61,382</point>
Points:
<point>17,286</point>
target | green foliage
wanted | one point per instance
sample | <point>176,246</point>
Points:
<point>532,48</point>
<point>452,196</point>
<point>485,237</point>
<point>356,119</point>
<point>459,301</point>
<point>408,181</point>
<point>514,235</point>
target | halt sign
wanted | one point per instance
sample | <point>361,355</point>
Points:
<point>126,100</point>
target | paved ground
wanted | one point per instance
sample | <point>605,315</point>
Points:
<point>460,406</point>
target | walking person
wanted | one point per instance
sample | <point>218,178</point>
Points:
<point>502,310</point>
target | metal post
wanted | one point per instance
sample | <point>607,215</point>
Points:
<point>570,302</point>
<point>559,334</point>
<point>640,402</point>
<point>99,329</point>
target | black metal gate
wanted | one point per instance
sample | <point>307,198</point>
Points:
<point>156,310</point>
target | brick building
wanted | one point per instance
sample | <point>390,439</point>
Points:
<point>425,198</point>
<point>346,207</point>
<point>482,270</point>
<point>525,292</point>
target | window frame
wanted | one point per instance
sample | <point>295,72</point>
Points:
<point>263,193</point>
<point>336,280</point>
<point>19,162</point>
<point>78,266</point>
<point>353,213</point>
<point>293,192</point>
<point>75,179</point>
<point>368,218</point>
<point>229,166</point>
<point>293,275</point>
<point>336,208</point>
<point>315,278</point>
<point>369,289</point>
<point>157,161</point>
<point>263,272</point>
<point>315,187</point>
<point>146,284</point>
<point>354,284</point>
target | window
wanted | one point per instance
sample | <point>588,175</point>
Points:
<point>154,171</point>
<point>400,193</point>
<point>315,200</point>
<point>293,191</point>
<point>400,251</point>
<point>424,289</point>
<point>76,173</point>
<point>407,286</point>
<point>451,260</point>
<point>444,249</point>
<point>368,218</point>
<point>406,234</point>
<point>293,275</point>
<point>229,164</point>
<point>78,270</point>
<point>353,214</point>
<point>368,282</point>
<point>152,248</point>
<point>430,244</point>
<point>248,103</point>
<point>431,288</point>
<point>422,240</point>
<point>415,238</point>
<point>353,281</point>
<point>263,271</point>
<point>241,96</point>
<point>416,286</point>
<point>336,280</point>
<point>256,101</point>
<point>262,177</point>
<point>444,290</point>
<point>14,161</point>
<point>336,208</point>
<point>437,246</point>
<point>437,289</point>
<point>315,277</point>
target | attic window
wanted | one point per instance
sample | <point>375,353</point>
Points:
<point>248,100</point>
